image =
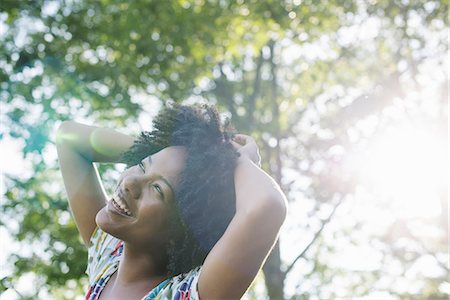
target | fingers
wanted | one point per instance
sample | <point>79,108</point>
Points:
<point>242,138</point>
<point>247,147</point>
<point>236,145</point>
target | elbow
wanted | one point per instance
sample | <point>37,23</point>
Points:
<point>63,132</point>
<point>274,209</point>
<point>280,208</point>
<point>276,200</point>
<point>65,125</point>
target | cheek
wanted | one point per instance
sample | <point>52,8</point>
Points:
<point>152,219</point>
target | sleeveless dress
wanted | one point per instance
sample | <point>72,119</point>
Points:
<point>104,256</point>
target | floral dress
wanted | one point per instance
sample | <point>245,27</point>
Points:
<point>105,253</point>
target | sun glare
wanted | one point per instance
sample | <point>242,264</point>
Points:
<point>406,167</point>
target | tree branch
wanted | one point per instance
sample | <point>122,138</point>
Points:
<point>256,89</point>
<point>316,235</point>
<point>225,91</point>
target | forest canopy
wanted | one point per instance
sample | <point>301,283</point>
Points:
<point>347,101</point>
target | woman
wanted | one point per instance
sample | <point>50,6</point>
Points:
<point>192,217</point>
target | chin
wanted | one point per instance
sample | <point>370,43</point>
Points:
<point>107,224</point>
<point>101,220</point>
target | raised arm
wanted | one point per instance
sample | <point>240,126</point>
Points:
<point>233,263</point>
<point>79,146</point>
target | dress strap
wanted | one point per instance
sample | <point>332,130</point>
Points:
<point>154,293</point>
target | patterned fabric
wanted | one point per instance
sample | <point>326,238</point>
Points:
<point>104,256</point>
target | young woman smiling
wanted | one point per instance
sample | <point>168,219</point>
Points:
<point>193,215</point>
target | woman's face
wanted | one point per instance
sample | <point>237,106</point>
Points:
<point>140,209</point>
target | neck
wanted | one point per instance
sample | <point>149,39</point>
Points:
<point>139,266</point>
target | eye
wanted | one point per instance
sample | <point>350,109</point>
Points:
<point>158,189</point>
<point>141,165</point>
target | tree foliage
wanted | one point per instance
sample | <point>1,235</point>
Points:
<point>299,76</point>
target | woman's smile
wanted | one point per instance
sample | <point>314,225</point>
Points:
<point>119,207</point>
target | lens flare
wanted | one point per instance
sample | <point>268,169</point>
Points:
<point>406,167</point>
<point>105,149</point>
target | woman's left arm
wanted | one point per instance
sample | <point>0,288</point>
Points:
<point>261,207</point>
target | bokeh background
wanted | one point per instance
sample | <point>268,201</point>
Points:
<point>348,101</point>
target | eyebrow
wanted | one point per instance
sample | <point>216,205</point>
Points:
<point>163,178</point>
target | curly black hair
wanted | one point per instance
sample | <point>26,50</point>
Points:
<point>205,198</point>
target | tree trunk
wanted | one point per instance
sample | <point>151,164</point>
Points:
<point>274,276</point>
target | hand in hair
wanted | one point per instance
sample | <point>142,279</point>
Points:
<point>247,147</point>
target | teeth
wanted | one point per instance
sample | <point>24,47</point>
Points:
<point>122,205</point>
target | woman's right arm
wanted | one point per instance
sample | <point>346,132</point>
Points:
<point>79,146</point>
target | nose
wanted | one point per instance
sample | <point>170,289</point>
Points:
<point>131,187</point>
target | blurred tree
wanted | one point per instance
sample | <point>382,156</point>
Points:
<point>297,75</point>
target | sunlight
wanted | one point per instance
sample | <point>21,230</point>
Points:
<point>405,166</point>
